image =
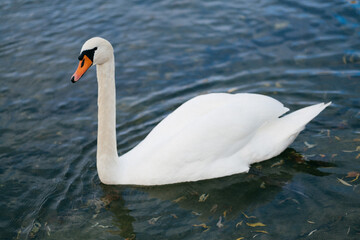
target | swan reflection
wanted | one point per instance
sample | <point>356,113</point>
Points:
<point>226,197</point>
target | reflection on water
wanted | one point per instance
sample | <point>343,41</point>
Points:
<point>210,201</point>
<point>299,52</point>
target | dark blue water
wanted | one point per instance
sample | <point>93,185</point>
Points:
<point>299,52</point>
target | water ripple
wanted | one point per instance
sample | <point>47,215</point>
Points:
<point>299,52</point>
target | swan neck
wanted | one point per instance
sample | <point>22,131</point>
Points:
<point>107,146</point>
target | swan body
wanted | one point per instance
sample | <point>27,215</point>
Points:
<point>209,136</point>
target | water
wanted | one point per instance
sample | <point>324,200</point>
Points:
<point>299,52</point>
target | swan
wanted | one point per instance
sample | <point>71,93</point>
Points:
<point>209,136</point>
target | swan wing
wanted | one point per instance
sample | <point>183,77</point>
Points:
<point>195,140</point>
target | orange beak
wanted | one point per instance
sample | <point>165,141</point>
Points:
<point>84,65</point>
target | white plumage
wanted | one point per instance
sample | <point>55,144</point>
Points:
<point>209,136</point>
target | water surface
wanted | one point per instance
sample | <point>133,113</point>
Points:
<point>299,52</point>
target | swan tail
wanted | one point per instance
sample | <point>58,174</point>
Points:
<point>275,136</point>
<point>296,121</point>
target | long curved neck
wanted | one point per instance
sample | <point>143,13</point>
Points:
<point>107,157</point>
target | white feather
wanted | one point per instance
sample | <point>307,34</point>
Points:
<point>209,136</point>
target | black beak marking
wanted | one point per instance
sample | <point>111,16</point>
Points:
<point>90,53</point>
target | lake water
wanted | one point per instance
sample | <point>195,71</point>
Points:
<point>299,52</point>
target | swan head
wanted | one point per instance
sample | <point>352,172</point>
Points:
<point>95,51</point>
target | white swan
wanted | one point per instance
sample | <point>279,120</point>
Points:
<point>209,136</point>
